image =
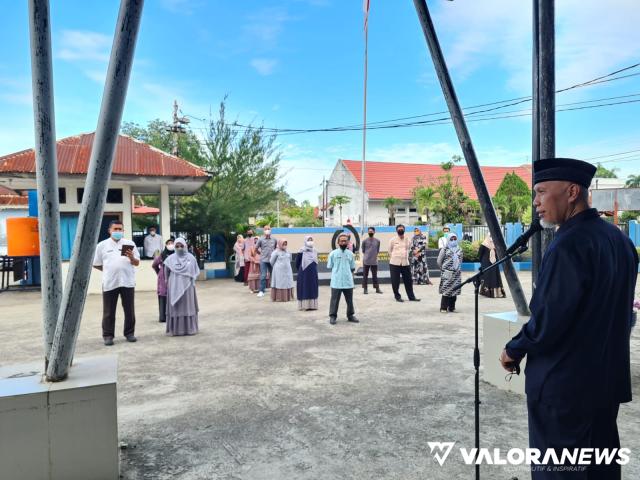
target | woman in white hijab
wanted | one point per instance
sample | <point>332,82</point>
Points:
<point>181,270</point>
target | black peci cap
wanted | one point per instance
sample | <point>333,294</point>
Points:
<point>564,169</point>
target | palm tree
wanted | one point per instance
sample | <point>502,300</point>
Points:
<point>339,201</point>
<point>390,204</point>
<point>633,181</point>
<point>424,199</point>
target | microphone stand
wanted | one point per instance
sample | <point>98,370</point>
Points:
<point>477,280</point>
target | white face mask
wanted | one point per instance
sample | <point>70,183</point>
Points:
<point>310,243</point>
<point>267,232</point>
<point>152,233</point>
<point>171,248</point>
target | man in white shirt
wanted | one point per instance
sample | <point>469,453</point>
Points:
<point>116,258</point>
<point>153,245</point>
<point>442,241</point>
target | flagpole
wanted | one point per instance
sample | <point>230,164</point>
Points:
<point>364,129</point>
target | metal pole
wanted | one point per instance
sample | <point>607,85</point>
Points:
<point>98,176</point>
<point>364,129</point>
<point>46,168</point>
<point>469,153</point>
<point>547,94</point>
<point>536,240</point>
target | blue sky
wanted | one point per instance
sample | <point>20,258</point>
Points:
<point>299,64</point>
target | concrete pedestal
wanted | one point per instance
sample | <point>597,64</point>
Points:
<point>498,329</point>
<point>66,430</point>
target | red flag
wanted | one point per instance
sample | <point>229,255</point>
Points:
<point>365,7</point>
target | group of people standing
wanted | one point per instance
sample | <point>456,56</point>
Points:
<point>267,261</point>
<point>177,270</point>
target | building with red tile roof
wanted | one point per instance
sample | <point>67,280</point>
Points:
<point>138,169</point>
<point>390,179</point>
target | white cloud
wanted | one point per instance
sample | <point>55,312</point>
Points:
<point>592,38</point>
<point>78,45</point>
<point>16,91</point>
<point>265,27</point>
<point>264,66</point>
<point>96,75</point>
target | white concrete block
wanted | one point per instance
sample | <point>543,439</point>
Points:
<point>66,430</point>
<point>498,329</point>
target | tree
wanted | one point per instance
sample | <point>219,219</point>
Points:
<point>391,204</point>
<point>244,167</point>
<point>424,198</point>
<point>633,181</point>
<point>157,134</point>
<point>447,166</point>
<point>451,201</point>
<point>339,201</point>
<point>625,217</point>
<point>512,198</point>
<point>303,216</point>
<point>602,172</point>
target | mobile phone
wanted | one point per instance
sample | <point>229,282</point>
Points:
<point>125,249</point>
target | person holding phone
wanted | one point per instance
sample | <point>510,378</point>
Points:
<point>117,257</point>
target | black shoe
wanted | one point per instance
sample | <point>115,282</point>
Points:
<point>131,338</point>
<point>353,320</point>
<point>452,310</point>
<point>414,299</point>
<point>162,321</point>
<point>366,292</point>
<point>108,341</point>
<point>399,299</point>
<point>332,321</point>
<point>378,290</point>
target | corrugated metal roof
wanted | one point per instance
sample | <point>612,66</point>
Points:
<point>388,179</point>
<point>132,157</point>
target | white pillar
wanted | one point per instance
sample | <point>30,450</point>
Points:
<point>127,209</point>
<point>165,212</point>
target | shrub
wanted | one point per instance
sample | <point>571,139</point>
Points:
<point>470,251</point>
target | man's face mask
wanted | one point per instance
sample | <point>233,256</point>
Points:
<point>401,231</point>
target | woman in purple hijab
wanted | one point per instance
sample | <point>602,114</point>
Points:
<point>181,270</point>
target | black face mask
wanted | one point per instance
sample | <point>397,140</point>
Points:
<point>343,247</point>
<point>249,235</point>
<point>371,234</point>
<point>400,232</point>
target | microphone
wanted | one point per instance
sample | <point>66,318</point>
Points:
<point>524,238</point>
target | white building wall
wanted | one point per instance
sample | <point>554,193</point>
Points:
<point>342,182</point>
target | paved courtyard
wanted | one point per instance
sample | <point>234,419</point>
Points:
<point>267,392</point>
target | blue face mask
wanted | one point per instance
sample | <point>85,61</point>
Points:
<point>453,243</point>
<point>117,235</point>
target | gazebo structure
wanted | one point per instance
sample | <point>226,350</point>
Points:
<point>138,169</point>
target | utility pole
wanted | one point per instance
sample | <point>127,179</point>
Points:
<point>324,202</point>
<point>177,128</point>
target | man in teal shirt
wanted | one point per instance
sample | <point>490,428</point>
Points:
<point>342,265</point>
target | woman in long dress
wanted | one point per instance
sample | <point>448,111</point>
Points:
<point>307,281</point>
<point>253,278</point>
<point>419,267</point>
<point>161,286</point>
<point>450,262</point>
<point>238,250</point>
<point>282,274</point>
<point>491,281</point>
<point>181,271</point>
